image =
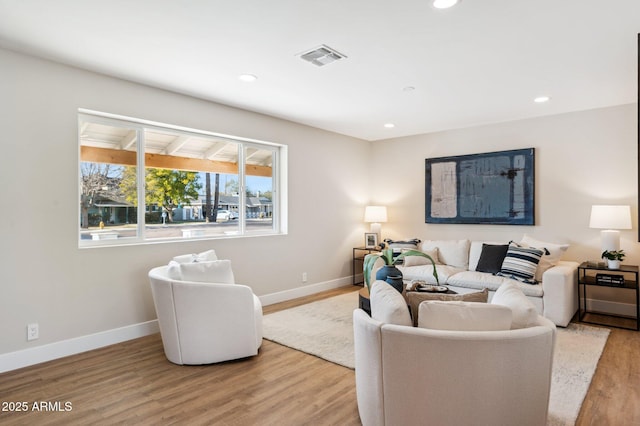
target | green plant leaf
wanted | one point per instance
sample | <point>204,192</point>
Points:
<point>613,255</point>
<point>387,256</point>
<point>421,254</point>
<point>369,261</point>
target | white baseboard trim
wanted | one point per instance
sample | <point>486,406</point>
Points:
<point>39,354</point>
<point>615,308</point>
<point>48,352</point>
<point>282,296</point>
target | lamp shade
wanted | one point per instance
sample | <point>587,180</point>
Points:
<point>610,217</point>
<point>376,214</point>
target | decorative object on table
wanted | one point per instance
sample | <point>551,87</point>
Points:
<point>614,257</point>
<point>432,288</point>
<point>384,273</point>
<point>395,281</point>
<point>492,188</point>
<point>610,219</point>
<point>376,215</point>
<point>389,269</point>
<point>609,280</point>
<point>413,284</point>
<point>370,240</point>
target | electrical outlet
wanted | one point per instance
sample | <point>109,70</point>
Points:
<point>304,277</point>
<point>33,331</point>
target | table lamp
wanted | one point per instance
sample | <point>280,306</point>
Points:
<point>376,215</point>
<point>610,219</point>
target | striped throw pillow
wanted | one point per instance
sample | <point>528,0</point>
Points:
<point>521,263</point>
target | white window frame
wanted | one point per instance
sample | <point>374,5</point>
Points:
<point>279,176</point>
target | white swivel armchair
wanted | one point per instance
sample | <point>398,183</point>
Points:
<point>205,322</point>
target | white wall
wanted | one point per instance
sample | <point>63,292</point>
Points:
<point>75,292</point>
<point>581,159</point>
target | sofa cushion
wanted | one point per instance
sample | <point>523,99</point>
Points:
<point>415,298</point>
<point>400,246</point>
<point>521,263</point>
<point>387,305</point>
<point>552,254</point>
<point>196,257</point>
<point>480,280</point>
<point>213,271</point>
<point>420,260</point>
<point>491,258</point>
<point>450,252</point>
<point>425,272</point>
<point>463,316</point>
<point>523,311</point>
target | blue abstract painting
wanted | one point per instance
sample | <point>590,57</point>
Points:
<point>490,188</point>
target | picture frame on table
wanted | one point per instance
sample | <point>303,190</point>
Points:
<point>370,240</point>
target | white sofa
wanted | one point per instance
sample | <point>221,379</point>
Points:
<point>554,296</point>
<point>467,363</point>
<point>451,377</point>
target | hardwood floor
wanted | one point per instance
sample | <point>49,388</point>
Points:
<point>133,383</point>
<point>614,395</point>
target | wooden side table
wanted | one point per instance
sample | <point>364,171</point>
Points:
<point>626,277</point>
<point>357,261</point>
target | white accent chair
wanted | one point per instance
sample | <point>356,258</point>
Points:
<point>416,376</point>
<point>205,322</point>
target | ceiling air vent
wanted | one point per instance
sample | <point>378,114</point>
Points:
<point>322,55</point>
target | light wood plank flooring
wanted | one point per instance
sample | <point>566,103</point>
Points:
<point>133,383</point>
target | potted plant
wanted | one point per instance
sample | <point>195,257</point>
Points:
<point>614,257</point>
<point>389,272</point>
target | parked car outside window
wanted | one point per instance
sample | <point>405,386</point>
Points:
<point>226,215</point>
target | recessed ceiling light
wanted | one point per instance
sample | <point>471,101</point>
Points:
<point>408,89</point>
<point>541,99</point>
<point>389,125</point>
<point>247,77</point>
<point>444,4</point>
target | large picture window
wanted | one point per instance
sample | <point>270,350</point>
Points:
<point>194,184</point>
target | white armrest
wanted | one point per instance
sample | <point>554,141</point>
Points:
<point>560,292</point>
<point>368,356</point>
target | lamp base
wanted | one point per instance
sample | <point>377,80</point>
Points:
<point>377,228</point>
<point>610,240</point>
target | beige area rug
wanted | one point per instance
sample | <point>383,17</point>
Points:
<point>325,329</point>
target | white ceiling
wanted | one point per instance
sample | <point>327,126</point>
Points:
<point>481,62</point>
